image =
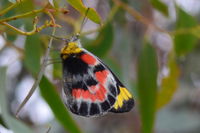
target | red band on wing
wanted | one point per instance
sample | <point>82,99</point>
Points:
<point>100,94</point>
<point>93,88</point>
<point>88,59</point>
<point>101,76</point>
<point>94,92</point>
<point>86,94</point>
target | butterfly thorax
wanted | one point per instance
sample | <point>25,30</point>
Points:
<point>70,49</point>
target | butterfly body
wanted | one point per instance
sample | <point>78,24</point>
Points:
<point>89,87</point>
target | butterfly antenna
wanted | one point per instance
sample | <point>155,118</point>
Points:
<point>84,20</point>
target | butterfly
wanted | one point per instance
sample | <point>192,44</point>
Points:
<point>90,88</point>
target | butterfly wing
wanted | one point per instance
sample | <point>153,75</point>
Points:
<point>124,100</point>
<point>91,88</point>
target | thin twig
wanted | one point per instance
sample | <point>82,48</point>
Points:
<point>4,11</point>
<point>112,13</point>
<point>83,21</point>
<point>8,9</point>
<point>192,30</point>
<point>54,62</point>
<point>48,130</point>
<point>51,17</point>
<point>9,44</point>
<point>41,72</point>
<point>35,28</point>
<point>137,15</point>
<point>22,15</point>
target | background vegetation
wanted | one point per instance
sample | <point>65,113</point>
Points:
<point>151,45</point>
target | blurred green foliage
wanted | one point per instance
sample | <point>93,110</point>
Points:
<point>169,85</point>
<point>160,6</point>
<point>53,99</point>
<point>32,54</point>
<point>185,42</point>
<point>102,44</point>
<point>137,54</point>
<point>92,14</point>
<point>12,123</point>
<point>147,86</point>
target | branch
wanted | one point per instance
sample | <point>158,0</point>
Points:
<point>35,28</point>
<point>38,79</point>
<point>10,7</point>
<point>22,15</point>
<point>193,30</point>
<point>51,17</point>
<point>137,15</point>
<point>48,130</point>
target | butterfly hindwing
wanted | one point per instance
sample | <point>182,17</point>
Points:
<point>124,100</point>
<point>90,87</point>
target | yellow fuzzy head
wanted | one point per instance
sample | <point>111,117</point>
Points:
<point>70,48</point>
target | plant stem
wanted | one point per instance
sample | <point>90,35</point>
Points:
<point>4,11</point>
<point>22,15</point>
<point>137,15</point>
<point>35,28</point>
<point>39,77</point>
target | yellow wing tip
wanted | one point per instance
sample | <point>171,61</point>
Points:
<point>124,95</point>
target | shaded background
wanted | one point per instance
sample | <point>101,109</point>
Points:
<point>151,45</point>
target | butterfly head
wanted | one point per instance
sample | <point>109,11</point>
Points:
<point>72,46</point>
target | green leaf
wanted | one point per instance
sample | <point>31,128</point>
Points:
<point>24,6</point>
<point>115,67</point>
<point>2,121</point>
<point>12,123</point>
<point>32,54</point>
<point>92,14</point>
<point>184,42</point>
<point>169,85</point>
<point>11,37</point>
<point>147,87</point>
<point>57,65</point>
<point>12,1</point>
<point>53,99</point>
<point>103,42</point>
<point>160,6</point>
<point>57,70</point>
